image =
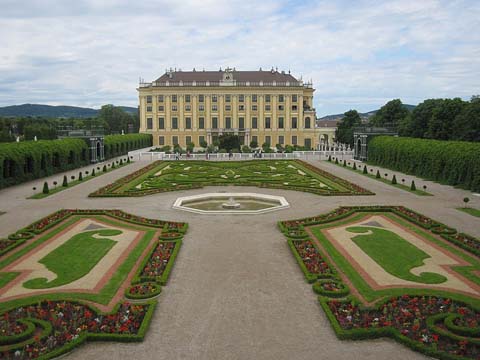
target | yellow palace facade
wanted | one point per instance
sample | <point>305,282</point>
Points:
<point>272,107</point>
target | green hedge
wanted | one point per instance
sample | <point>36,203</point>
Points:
<point>30,160</point>
<point>117,145</point>
<point>450,162</point>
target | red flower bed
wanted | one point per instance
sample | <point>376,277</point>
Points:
<point>158,261</point>
<point>312,259</point>
<point>143,290</point>
<point>408,315</point>
<point>70,320</point>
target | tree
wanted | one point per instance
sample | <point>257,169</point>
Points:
<point>394,180</point>
<point>115,119</point>
<point>253,144</point>
<point>344,132</point>
<point>65,181</point>
<point>190,146</point>
<point>392,113</point>
<point>365,171</point>
<point>466,200</point>
<point>203,143</point>
<point>466,126</point>
<point>229,142</point>
<point>378,176</point>
<point>80,176</point>
<point>420,118</point>
<point>440,125</point>
<point>412,186</point>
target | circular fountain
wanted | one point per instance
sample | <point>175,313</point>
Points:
<point>231,203</point>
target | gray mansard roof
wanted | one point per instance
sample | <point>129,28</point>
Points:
<point>241,76</point>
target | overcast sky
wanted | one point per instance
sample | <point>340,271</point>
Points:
<point>359,54</point>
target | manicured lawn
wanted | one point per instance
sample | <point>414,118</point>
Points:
<point>277,174</point>
<point>75,258</point>
<point>471,211</point>
<point>394,254</point>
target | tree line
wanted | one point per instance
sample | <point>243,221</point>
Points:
<point>111,118</point>
<point>439,119</point>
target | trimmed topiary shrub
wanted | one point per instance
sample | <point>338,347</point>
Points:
<point>93,172</point>
<point>354,166</point>
<point>412,186</point>
<point>365,170</point>
<point>80,176</point>
<point>394,180</point>
<point>336,161</point>
<point>45,190</point>
<point>104,168</point>
<point>65,181</point>
<point>378,176</point>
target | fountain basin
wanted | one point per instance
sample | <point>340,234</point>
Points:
<point>231,203</point>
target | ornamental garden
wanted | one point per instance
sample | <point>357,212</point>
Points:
<point>181,175</point>
<point>389,271</point>
<point>80,275</point>
<point>378,271</point>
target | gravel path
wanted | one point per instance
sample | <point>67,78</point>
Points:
<point>236,291</point>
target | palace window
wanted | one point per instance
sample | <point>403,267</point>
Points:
<point>307,123</point>
<point>201,123</point>
<point>214,123</point>
<point>267,123</point>
<point>175,140</point>
<point>228,98</point>
<point>201,107</point>
<point>228,122</point>
<point>267,98</point>
<point>214,98</point>
<point>255,139</point>
<point>149,109</point>
<point>281,107</point>
<point>174,108</point>
<point>254,107</point>
<point>149,123</point>
<point>161,123</point>
<point>294,123</point>
<point>187,98</point>
<point>160,98</point>
<point>294,107</point>
<point>294,98</point>
<point>188,108</point>
<point>174,123</point>
<point>268,139</point>
<point>281,139</point>
<point>241,123</point>
<point>174,98</point>
<point>188,123</point>
<point>280,123</point>
<point>254,98</point>
<point>268,108</point>
<point>188,140</point>
<point>241,107</point>
<point>161,140</point>
<point>241,98</point>
<point>201,98</point>
<point>161,108</point>
<point>201,140</point>
<point>281,98</point>
<point>228,107</point>
<point>149,99</point>
<point>294,140</point>
<point>214,107</point>
<point>254,123</point>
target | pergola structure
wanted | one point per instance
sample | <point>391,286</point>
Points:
<point>94,137</point>
<point>363,134</point>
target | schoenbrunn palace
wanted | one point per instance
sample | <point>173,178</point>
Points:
<point>272,107</point>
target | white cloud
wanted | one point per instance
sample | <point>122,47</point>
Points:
<point>359,54</point>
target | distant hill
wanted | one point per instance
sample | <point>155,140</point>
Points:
<point>363,116</point>
<point>54,111</point>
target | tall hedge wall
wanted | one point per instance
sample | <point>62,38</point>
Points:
<point>29,160</point>
<point>449,162</point>
<point>116,145</point>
